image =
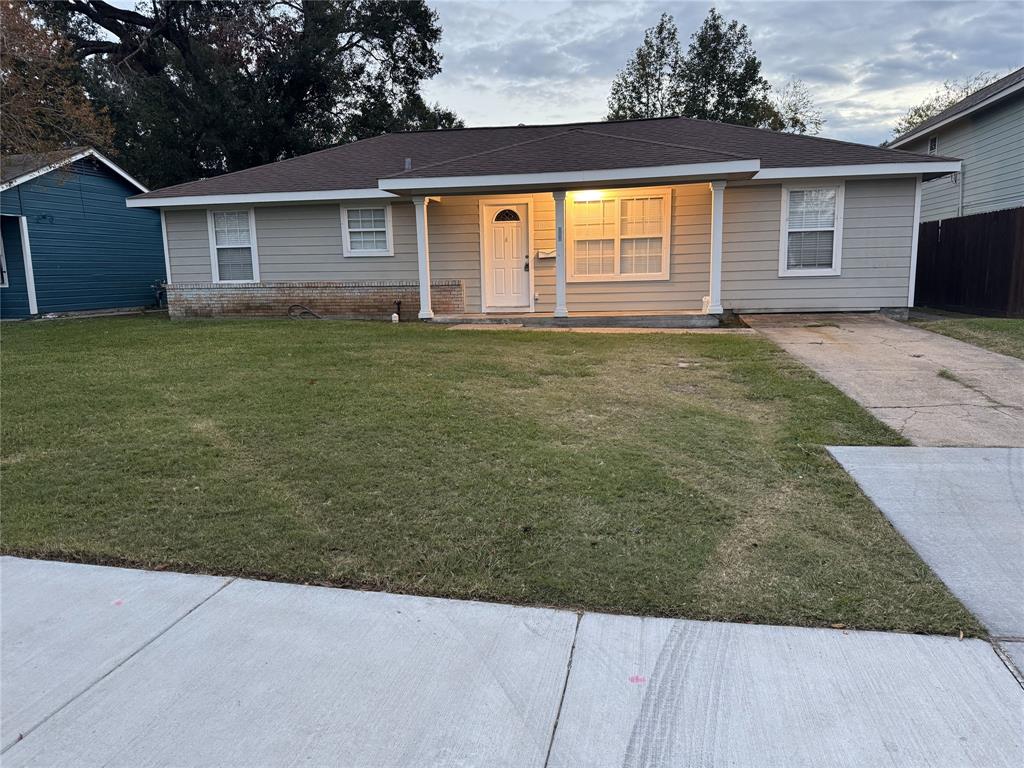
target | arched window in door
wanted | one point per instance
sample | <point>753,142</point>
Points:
<point>506,214</point>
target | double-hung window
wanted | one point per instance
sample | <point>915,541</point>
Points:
<point>619,235</point>
<point>811,236</point>
<point>233,246</point>
<point>366,231</point>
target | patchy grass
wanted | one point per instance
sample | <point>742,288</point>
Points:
<point>578,470</point>
<point>999,334</point>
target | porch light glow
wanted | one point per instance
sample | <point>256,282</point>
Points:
<point>588,195</point>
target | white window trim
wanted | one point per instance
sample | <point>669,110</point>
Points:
<point>5,278</point>
<point>617,194</point>
<point>837,229</point>
<point>214,267</point>
<point>933,150</point>
<point>346,244</point>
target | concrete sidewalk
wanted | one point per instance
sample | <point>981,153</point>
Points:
<point>934,390</point>
<point>105,666</point>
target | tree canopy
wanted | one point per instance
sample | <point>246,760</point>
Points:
<point>42,107</point>
<point>948,94</point>
<point>718,78</point>
<point>197,89</point>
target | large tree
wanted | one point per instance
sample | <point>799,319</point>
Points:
<point>42,105</point>
<point>718,78</point>
<point>948,94</point>
<point>197,89</point>
<point>648,86</point>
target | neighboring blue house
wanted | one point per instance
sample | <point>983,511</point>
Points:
<point>69,243</point>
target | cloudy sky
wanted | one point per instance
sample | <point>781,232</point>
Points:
<point>865,62</point>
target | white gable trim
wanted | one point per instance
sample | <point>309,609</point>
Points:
<point>928,129</point>
<point>327,195</point>
<point>67,161</point>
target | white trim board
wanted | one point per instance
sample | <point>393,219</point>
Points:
<point>913,242</point>
<point>588,177</point>
<point>67,161</point>
<point>926,130</point>
<point>30,275</point>
<point>868,169</point>
<point>167,250</point>
<point>326,196</point>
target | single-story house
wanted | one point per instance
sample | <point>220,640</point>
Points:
<point>986,131</point>
<point>667,218</point>
<point>67,241</point>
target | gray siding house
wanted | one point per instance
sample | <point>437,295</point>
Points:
<point>668,218</point>
<point>986,131</point>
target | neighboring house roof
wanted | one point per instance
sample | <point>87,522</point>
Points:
<point>17,169</point>
<point>983,97</point>
<point>371,166</point>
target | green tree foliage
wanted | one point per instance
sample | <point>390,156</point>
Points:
<point>649,85</point>
<point>718,78</point>
<point>948,94</point>
<point>198,89</point>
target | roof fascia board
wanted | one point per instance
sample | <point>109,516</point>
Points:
<point>71,159</point>
<point>921,132</point>
<point>258,197</point>
<point>660,172</point>
<point>867,169</point>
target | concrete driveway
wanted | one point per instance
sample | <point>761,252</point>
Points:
<point>934,390</point>
<point>962,510</point>
<point>117,667</point>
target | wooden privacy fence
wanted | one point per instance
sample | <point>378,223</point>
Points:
<point>973,264</point>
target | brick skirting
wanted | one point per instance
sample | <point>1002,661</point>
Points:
<point>350,300</point>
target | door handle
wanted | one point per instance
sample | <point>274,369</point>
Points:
<point>526,266</point>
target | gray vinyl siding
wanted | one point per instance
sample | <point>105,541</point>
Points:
<point>878,225</point>
<point>303,242</point>
<point>188,246</point>
<point>991,145</point>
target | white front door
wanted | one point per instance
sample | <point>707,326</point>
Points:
<point>506,256</point>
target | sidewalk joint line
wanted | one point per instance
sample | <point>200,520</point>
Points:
<point>22,736</point>
<point>565,686</point>
<point>1004,657</point>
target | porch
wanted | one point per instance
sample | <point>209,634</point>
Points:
<point>643,255</point>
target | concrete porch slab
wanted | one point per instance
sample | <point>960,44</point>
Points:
<point>267,674</point>
<point>65,626</point>
<point>660,692</point>
<point>962,510</point>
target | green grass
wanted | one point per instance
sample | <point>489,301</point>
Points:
<point>1000,334</point>
<point>577,470</point>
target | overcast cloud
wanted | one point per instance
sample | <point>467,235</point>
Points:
<point>864,62</point>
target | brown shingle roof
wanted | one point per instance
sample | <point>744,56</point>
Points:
<point>15,166</point>
<point>965,104</point>
<point>535,149</point>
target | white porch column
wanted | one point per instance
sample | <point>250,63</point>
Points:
<point>561,310</point>
<point>714,302</point>
<point>423,257</point>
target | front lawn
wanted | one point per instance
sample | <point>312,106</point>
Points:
<point>678,475</point>
<point>1000,334</point>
